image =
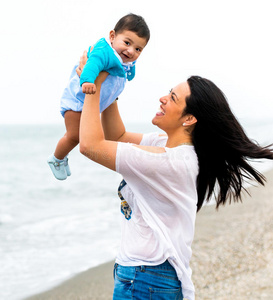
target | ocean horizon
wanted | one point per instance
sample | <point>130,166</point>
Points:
<point>51,230</point>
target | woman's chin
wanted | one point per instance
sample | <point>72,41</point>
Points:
<point>155,121</point>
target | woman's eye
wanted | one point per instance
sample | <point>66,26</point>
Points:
<point>172,96</point>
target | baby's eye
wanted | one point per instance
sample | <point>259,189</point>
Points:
<point>138,49</point>
<point>127,43</point>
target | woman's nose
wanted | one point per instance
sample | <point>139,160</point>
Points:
<point>163,100</point>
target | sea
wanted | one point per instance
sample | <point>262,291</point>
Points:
<point>51,230</point>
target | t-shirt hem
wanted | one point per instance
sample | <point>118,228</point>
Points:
<point>139,263</point>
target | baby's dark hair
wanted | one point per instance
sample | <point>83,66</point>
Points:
<point>134,23</point>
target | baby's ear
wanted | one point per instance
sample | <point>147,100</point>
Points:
<point>112,35</point>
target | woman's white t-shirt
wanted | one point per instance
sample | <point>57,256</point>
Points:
<point>162,197</point>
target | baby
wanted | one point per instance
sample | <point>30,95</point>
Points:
<point>117,56</point>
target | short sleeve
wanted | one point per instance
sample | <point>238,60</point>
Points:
<point>131,161</point>
<point>153,139</point>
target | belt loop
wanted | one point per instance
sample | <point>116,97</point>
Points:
<point>142,269</point>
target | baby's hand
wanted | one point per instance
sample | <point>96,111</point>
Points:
<point>88,88</point>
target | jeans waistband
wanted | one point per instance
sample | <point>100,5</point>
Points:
<point>165,265</point>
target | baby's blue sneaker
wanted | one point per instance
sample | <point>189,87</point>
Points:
<point>57,167</point>
<point>68,172</point>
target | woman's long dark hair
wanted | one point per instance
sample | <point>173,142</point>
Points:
<point>222,147</point>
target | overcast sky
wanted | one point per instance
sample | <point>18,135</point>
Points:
<point>228,42</point>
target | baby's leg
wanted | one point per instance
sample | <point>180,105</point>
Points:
<point>71,137</point>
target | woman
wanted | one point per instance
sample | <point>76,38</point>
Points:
<point>166,180</point>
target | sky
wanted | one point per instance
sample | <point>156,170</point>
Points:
<point>228,42</point>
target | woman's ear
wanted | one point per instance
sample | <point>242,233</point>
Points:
<point>112,35</point>
<point>189,120</point>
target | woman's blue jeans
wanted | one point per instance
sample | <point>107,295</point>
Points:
<point>146,283</point>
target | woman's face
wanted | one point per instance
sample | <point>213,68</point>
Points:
<point>169,117</point>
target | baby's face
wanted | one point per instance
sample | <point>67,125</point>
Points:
<point>127,44</point>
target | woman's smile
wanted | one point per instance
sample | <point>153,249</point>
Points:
<point>160,112</point>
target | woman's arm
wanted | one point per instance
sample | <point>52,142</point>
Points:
<point>92,140</point>
<point>114,128</point>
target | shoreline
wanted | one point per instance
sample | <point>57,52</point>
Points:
<point>232,254</point>
<point>95,283</point>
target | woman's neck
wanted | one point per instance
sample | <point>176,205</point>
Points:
<point>175,140</point>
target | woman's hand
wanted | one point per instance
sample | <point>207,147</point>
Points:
<point>83,60</point>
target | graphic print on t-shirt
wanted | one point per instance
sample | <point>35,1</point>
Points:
<point>124,206</point>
